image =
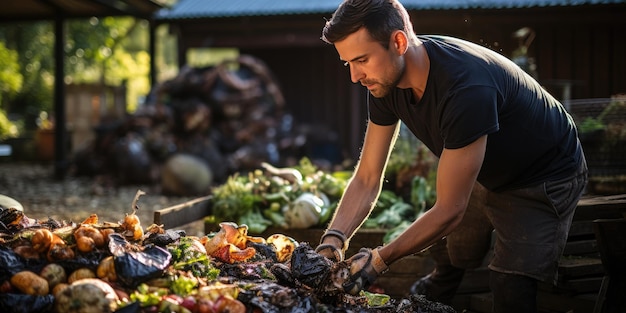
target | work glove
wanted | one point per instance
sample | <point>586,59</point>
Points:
<point>365,267</point>
<point>333,245</point>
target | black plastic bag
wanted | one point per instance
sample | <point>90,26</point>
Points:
<point>10,263</point>
<point>135,265</point>
<point>22,303</point>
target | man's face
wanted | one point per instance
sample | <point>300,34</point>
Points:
<point>377,69</point>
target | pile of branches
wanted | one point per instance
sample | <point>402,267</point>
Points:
<point>224,119</point>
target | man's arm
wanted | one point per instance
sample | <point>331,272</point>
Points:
<point>456,174</point>
<point>364,186</point>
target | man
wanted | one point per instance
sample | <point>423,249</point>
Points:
<point>504,144</point>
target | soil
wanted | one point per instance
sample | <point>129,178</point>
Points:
<point>44,196</point>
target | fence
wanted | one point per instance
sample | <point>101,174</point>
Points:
<point>602,126</point>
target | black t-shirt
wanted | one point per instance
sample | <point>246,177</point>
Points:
<point>473,91</point>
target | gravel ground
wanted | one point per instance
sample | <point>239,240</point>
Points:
<point>75,198</point>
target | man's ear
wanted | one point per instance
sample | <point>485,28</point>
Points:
<point>399,42</point>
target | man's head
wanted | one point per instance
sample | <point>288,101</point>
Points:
<point>372,37</point>
<point>379,17</point>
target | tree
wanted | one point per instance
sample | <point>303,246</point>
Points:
<point>10,83</point>
<point>33,43</point>
<point>110,50</point>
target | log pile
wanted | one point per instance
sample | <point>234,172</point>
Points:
<point>197,129</point>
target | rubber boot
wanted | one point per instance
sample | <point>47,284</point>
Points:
<point>513,293</point>
<point>440,285</point>
<point>443,282</point>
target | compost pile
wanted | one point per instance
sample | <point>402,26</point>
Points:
<point>196,129</point>
<point>123,266</point>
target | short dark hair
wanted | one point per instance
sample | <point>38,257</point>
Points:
<point>379,17</point>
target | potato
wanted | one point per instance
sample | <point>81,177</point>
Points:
<point>30,283</point>
<point>80,273</point>
<point>54,274</point>
<point>106,269</point>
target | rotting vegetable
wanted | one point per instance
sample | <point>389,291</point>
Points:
<point>168,271</point>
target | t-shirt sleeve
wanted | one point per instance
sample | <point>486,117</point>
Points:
<point>380,114</point>
<point>468,114</point>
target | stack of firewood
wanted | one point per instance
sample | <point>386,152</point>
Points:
<point>197,129</point>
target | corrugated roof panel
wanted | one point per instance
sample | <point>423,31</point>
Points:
<point>221,8</point>
<point>189,9</point>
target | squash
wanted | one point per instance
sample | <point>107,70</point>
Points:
<point>30,283</point>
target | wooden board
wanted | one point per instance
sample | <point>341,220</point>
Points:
<point>184,213</point>
<point>591,208</point>
<point>571,268</point>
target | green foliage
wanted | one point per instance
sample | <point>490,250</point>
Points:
<point>110,51</point>
<point>33,43</point>
<point>10,77</point>
<point>7,128</point>
<point>186,256</point>
<point>405,152</point>
<point>591,124</point>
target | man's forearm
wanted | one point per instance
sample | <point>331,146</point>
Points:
<point>355,206</point>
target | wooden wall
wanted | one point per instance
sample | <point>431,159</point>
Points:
<point>580,47</point>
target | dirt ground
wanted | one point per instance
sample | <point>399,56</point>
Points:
<point>75,198</point>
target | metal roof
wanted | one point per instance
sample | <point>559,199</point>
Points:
<point>190,9</point>
<point>18,10</point>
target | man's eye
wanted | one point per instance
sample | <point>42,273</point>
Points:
<point>346,63</point>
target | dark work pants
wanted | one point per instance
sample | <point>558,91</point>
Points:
<point>531,226</point>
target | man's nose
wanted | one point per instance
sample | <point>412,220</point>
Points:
<point>356,75</point>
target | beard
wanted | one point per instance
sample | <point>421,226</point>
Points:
<point>389,82</point>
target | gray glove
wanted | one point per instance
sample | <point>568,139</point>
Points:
<point>365,267</point>
<point>333,245</point>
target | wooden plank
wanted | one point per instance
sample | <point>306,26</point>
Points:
<point>612,202</point>
<point>591,208</point>
<point>184,213</point>
<point>570,268</point>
